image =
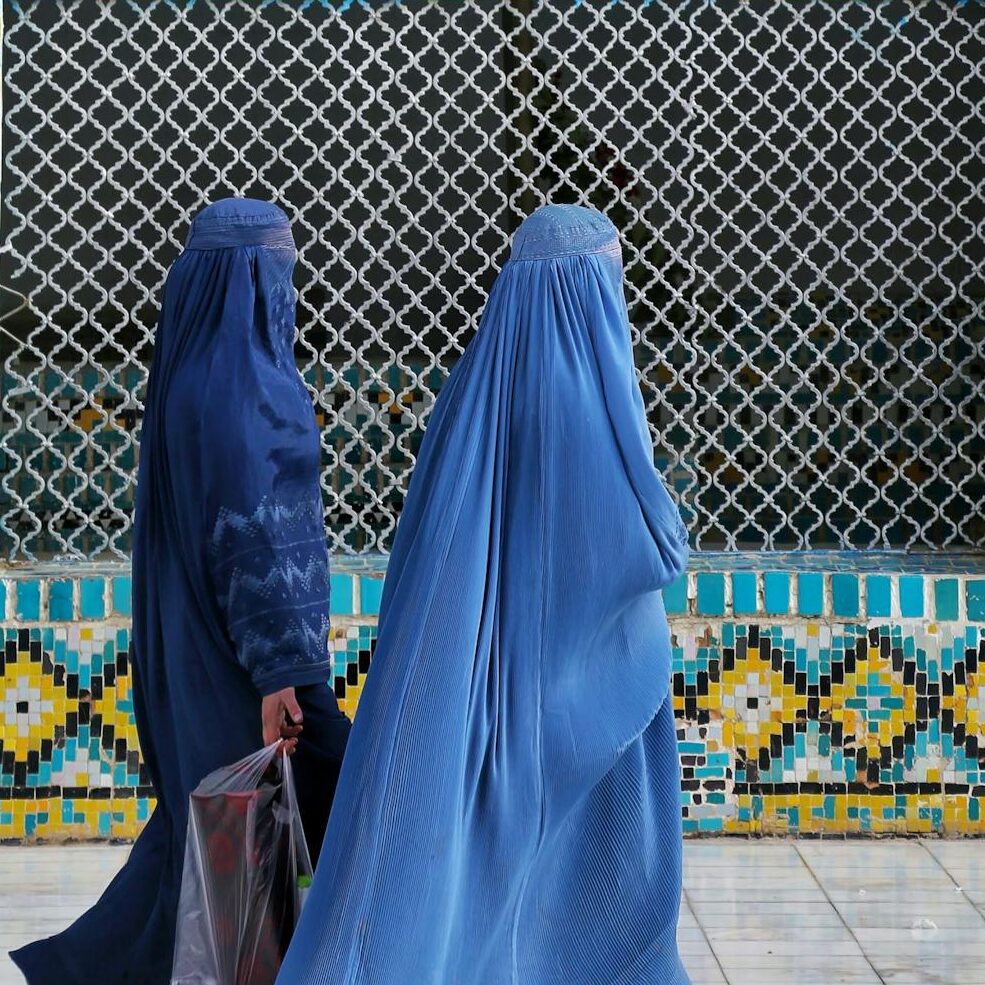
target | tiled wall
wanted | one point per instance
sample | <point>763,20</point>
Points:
<point>820,693</point>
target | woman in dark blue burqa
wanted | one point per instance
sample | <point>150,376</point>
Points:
<point>230,578</point>
<point>510,800</point>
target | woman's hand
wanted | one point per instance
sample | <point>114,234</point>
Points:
<point>281,716</point>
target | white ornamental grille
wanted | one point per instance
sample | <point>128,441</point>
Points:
<point>797,182</point>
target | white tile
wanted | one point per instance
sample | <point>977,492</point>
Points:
<point>728,880</point>
<point>750,893</point>
<point>965,860</point>
<point>745,952</point>
<point>746,864</point>
<point>723,911</point>
<point>930,969</point>
<point>875,939</point>
<point>896,894</point>
<point>697,941</point>
<point>862,851</point>
<point>910,865</point>
<point>801,929</point>
<point>968,944</point>
<point>734,851</point>
<point>838,880</point>
<point>954,914</point>
<point>61,854</point>
<point>754,906</point>
<point>923,866</point>
<point>867,846</point>
<point>702,970</point>
<point>803,970</point>
<point>9,975</point>
<point>977,899</point>
<point>745,861</point>
<point>695,946</point>
<point>687,919</point>
<point>971,976</point>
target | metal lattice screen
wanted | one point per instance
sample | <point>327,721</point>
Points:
<point>797,183</point>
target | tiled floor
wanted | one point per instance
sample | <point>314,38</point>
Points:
<point>755,912</point>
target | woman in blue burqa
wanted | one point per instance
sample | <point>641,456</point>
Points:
<point>230,578</point>
<point>510,800</point>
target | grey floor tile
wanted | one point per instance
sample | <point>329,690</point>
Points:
<point>803,970</point>
<point>724,911</point>
<point>952,914</point>
<point>768,912</point>
<point>929,969</point>
<point>704,970</point>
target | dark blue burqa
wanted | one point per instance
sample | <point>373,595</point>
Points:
<point>230,575</point>
<point>510,799</point>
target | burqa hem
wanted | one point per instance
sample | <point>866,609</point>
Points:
<point>41,963</point>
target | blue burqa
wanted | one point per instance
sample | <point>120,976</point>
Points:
<point>509,803</point>
<point>230,575</point>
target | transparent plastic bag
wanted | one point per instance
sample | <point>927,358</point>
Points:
<point>245,875</point>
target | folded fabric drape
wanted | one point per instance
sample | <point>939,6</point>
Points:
<point>508,811</point>
<point>230,575</point>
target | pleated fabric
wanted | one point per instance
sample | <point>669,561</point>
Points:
<point>230,575</point>
<point>508,810</point>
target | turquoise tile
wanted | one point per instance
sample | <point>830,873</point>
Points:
<point>675,595</point>
<point>711,594</point>
<point>370,593</point>
<point>975,597</point>
<point>810,593</point>
<point>844,594</point>
<point>121,595</point>
<point>28,600</point>
<point>878,596</point>
<point>61,607</point>
<point>341,600</point>
<point>92,598</point>
<point>946,598</point>
<point>776,592</point>
<point>911,596</point>
<point>744,600</point>
<point>3,600</point>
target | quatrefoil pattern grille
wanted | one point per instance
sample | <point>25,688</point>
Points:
<point>797,184</point>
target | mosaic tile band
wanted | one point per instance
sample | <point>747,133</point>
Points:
<point>808,701</point>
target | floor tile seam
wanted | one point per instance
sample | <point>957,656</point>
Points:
<point>707,940</point>
<point>923,844</point>
<point>841,916</point>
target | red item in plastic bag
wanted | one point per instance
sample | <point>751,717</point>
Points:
<point>246,863</point>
